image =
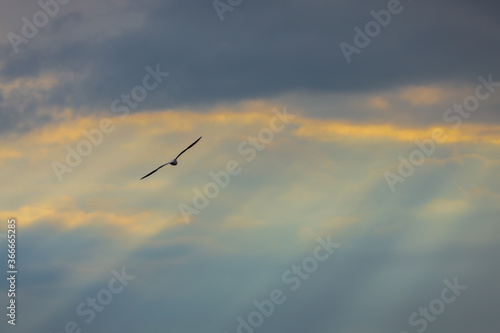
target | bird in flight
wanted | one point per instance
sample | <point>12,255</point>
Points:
<point>174,161</point>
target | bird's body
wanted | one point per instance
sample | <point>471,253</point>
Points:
<point>172,162</point>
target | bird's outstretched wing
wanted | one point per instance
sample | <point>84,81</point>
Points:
<point>182,152</point>
<point>161,166</point>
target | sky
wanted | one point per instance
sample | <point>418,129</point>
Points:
<point>347,179</point>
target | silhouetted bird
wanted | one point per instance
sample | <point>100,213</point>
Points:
<point>174,161</point>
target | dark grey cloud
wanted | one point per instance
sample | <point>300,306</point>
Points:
<point>262,49</point>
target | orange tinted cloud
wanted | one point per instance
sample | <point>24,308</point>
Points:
<point>65,214</point>
<point>152,129</point>
<point>6,153</point>
<point>422,95</point>
<point>335,130</point>
<point>71,128</point>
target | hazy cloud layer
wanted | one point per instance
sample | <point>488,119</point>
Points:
<point>396,248</point>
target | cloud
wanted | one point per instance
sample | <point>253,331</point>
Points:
<point>298,187</point>
<point>422,95</point>
<point>323,174</point>
<point>339,131</point>
<point>133,147</point>
<point>293,48</point>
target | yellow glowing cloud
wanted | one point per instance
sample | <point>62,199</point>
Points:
<point>422,95</point>
<point>378,102</point>
<point>6,153</point>
<point>259,114</point>
<point>339,223</point>
<point>66,215</point>
<point>186,120</point>
<point>67,131</point>
<point>32,84</point>
<point>334,131</point>
<point>111,165</point>
<point>416,96</point>
<point>71,128</point>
